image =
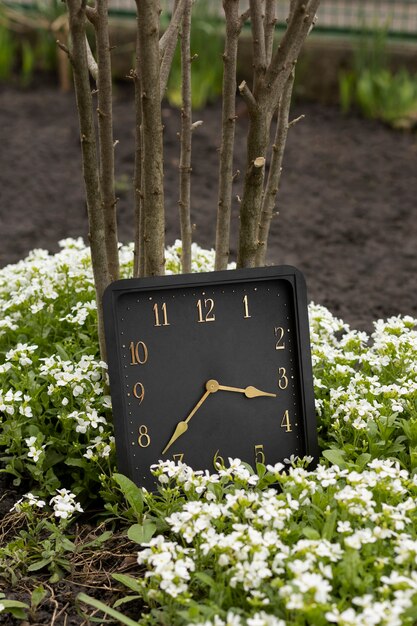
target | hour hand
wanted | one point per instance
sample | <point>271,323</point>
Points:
<point>182,426</point>
<point>250,392</point>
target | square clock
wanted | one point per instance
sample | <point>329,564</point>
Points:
<point>208,366</point>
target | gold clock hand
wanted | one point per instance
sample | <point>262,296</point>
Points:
<point>250,392</point>
<point>211,387</point>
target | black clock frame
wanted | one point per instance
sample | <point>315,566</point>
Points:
<point>136,286</point>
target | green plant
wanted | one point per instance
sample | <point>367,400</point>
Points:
<point>7,50</point>
<point>376,90</point>
<point>337,544</point>
<point>207,67</point>
<point>16,608</point>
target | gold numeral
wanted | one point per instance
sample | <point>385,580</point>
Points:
<point>259,453</point>
<point>138,353</point>
<point>208,310</point>
<point>164,315</point>
<point>282,378</point>
<point>246,307</point>
<point>139,391</point>
<point>178,457</point>
<point>279,333</point>
<point>144,440</point>
<point>285,422</point>
<point>218,461</point>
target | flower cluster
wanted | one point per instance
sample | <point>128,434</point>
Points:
<point>366,387</point>
<point>54,404</point>
<point>332,542</point>
<point>64,504</point>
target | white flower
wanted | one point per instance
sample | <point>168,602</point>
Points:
<point>31,500</point>
<point>64,504</point>
<point>35,451</point>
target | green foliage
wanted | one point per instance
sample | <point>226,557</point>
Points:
<point>28,40</point>
<point>7,51</point>
<point>206,53</point>
<point>16,608</point>
<point>282,544</point>
<point>378,92</point>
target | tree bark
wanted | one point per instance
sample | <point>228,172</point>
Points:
<point>269,83</point>
<point>224,210</point>
<point>168,42</point>
<point>185,139</point>
<point>99,19</point>
<point>139,217</point>
<point>152,169</point>
<point>275,169</point>
<point>78,57</point>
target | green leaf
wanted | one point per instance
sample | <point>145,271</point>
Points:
<point>142,533</point>
<point>14,604</point>
<point>34,567</point>
<point>123,619</point>
<point>128,581</point>
<point>362,460</point>
<point>126,599</point>
<point>311,533</point>
<point>61,352</point>
<point>336,457</point>
<point>206,579</point>
<point>37,596</point>
<point>329,526</point>
<point>75,462</point>
<point>131,492</point>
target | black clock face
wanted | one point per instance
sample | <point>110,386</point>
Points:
<point>206,367</point>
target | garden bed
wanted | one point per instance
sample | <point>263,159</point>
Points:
<point>347,221</point>
<point>347,200</point>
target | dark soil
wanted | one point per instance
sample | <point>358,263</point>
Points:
<point>347,219</point>
<point>347,201</point>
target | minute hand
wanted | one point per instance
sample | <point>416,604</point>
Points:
<point>250,392</point>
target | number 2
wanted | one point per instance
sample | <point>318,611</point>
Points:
<point>279,332</point>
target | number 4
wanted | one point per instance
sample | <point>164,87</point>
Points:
<point>285,422</point>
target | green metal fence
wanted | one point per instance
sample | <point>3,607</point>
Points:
<point>397,17</point>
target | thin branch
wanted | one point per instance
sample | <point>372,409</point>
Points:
<point>275,170</point>
<point>269,27</point>
<point>89,159</point>
<point>91,62</point>
<point>248,97</point>
<point>233,28</point>
<point>168,43</point>
<point>185,138</point>
<point>258,40</point>
<point>300,21</point>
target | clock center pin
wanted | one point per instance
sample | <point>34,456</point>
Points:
<point>212,386</point>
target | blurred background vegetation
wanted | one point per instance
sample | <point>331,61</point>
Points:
<point>362,54</point>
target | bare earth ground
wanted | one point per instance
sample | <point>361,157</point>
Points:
<point>347,220</point>
<point>347,203</point>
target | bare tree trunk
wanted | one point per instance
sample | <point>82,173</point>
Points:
<point>139,217</point>
<point>99,19</point>
<point>224,210</point>
<point>78,57</point>
<point>269,83</point>
<point>152,170</point>
<point>185,138</point>
<point>275,169</point>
